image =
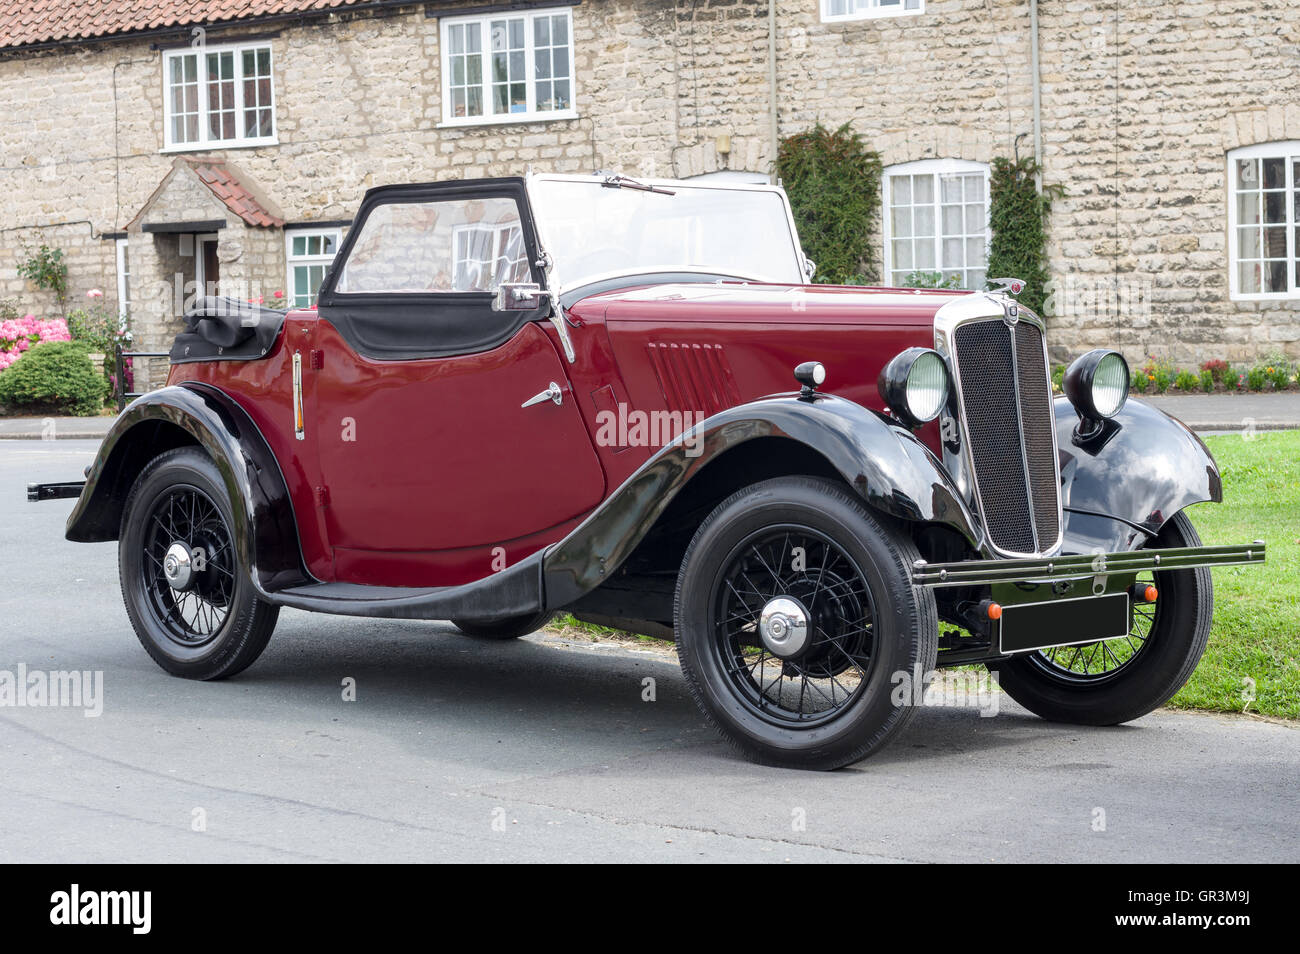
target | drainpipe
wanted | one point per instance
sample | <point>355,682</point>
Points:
<point>1034,83</point>
<point>771,82</point>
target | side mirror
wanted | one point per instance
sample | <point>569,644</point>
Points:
<point>521,296</point>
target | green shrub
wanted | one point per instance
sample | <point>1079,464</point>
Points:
<point>1219,370</point>
<point>1018,218</point>
<point>1207,381</point>
<point>46,268</point>
<point>1163,378</point>
<point>1255,378</point>
<point>1186,381</point>
<point>1058,378</point>
<point>54,376</point>
<point>1139,382</point>
<point>833,181</point>
<point>1279,374</point>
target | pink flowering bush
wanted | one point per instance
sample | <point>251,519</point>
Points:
<point>19,334</point>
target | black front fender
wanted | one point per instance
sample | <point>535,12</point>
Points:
<point>892,470</point>
<point>1121,485</point>
<point>266,534</point>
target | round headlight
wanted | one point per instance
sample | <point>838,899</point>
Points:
<point>915,385</point>
<point>1097,384</point>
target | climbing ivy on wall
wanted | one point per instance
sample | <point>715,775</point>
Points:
<point>833,181</point>
<point>1018,217</point>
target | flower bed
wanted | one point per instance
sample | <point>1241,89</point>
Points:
<point>19,334</point>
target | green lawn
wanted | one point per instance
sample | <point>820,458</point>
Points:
<point>1256,632</point>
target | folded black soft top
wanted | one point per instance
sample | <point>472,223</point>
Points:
<point>227,329</point>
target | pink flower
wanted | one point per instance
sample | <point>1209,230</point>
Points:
<point>279,294</point>
<point>94,293</point>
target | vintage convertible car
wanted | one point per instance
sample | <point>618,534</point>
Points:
<point>526,395</point>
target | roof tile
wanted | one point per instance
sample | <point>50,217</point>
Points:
<point>215,174</point>
<point>28,22</point>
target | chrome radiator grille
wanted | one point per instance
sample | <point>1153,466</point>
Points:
<point>1006,400</point>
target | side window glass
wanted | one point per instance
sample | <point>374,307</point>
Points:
<point>454,245</point>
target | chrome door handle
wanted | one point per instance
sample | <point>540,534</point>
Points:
<point>553,393</point>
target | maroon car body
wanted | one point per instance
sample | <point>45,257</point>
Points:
<point>574,393</point>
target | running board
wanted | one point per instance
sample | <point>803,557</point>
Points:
<point>515,591</point>
<point>983,572</point>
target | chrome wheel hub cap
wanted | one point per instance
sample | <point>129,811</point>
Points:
<point>178,567</point>
<point>783,624</point>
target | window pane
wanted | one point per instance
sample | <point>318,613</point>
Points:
<point>1247,174</point>
<point>1274,206</point>
<point>299,245</point>
<point>453,245</point>
<point>923,189</point>
<point>924,220</point>
<point>901,222</point>
<point>978,278</point>
<point>1248,242</point>
<point>952,252</point>
<point>974,218</point>
<point>562,97</point>
<point>1275,276</point>
<point>952,220</point>
<point>1248,278</point>
<point>542,31</point>
<point>1275,242</point>
<point>1274,173</point>
<point>974,251</point>
<point>903,254</point>
<point>951,188</point>
<point>1248,208</point>
<point>925,254</point>
<point>902,189</point>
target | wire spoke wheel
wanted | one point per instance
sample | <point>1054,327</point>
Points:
<point>188,566</point>
<point>1104,658</point>
<point>793,626</point>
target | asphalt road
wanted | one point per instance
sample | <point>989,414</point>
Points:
<point>537,750</point>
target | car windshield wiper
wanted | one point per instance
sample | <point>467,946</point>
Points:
<point>623,182</point>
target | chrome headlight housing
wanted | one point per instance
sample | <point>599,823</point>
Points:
<point>915,385</point>
<point>1097,384</point>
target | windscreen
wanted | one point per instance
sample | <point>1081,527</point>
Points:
<point>592,230</point>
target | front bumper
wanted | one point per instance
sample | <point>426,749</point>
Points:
<point>1081,566</point>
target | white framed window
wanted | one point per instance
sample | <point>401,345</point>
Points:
<point>936,219</point>
<point>218,96</point>
<point>308,253</point>
<point>508,67</point>
<point>833,10</point>
<point>123,281</point>
<point>485,255</point>
<point>1264,221</point>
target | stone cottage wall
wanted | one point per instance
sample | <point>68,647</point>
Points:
<point>1139,105</point>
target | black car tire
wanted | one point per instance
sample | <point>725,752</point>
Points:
<point>180,495</point>
<point>1178,633</point>
<point>509,627</point>
<point>870,559</point>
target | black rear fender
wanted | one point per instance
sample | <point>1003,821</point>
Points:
<point>266,534</point>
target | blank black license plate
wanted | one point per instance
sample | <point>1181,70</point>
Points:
<point>1064,622</point>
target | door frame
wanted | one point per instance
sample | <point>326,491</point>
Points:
<point>200,278</point>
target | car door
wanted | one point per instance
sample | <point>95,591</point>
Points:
<point>437,465</point>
